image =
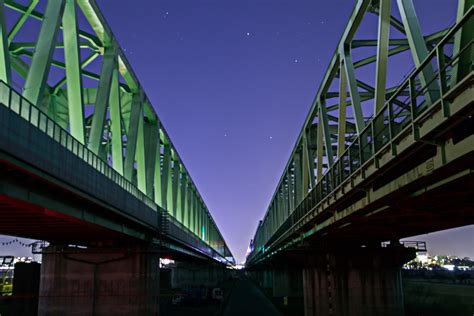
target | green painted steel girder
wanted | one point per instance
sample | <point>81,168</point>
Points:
<point>21,20</point>
<point>350,129</point>
<point>158,178</point>
<point>140,155</point>
<point>176,189</point>
<point>464,66</point>
<point>341,138</point>
<point>184,189</point>
<point>151,134</point>
<point>73,72</point>
<point>166,179</point>
<point>5,68</point>
<point>36,81</point>
<point>116,123</point>
<point>418,46</point>
<point>382,54</point>
<point>102,99</point>
<point>354,92</point>
<point>147,157</point>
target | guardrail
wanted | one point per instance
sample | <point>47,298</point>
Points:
<point>32,114</point>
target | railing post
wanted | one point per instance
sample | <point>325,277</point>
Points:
<point>413,106</point>
<point>442,78</point>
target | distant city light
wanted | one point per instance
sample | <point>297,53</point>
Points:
<point>165,262</point>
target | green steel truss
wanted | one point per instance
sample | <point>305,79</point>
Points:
<point>64,58</point>
<point>347,118</point>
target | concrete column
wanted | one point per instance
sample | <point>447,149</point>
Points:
<point>362,283</point>
<point>187,275</point>
<point>99,281</point>
<point>26,288</point>
<point>287,283</point>
<point>264,278</point>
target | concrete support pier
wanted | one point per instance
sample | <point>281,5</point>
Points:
<point>99,281</point>
<point>287,282</point>
<point>365,282</point>
<point>196,274</point>
<point>264,279</point>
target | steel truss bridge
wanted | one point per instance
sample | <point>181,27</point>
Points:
<point>83,155</point>
<point>375,162</point>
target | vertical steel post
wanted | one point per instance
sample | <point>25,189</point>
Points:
<point>382,55</point>
<point>102,98</point>
<point>418,47</point>
<point>341,127</point>
<point>116,123</point>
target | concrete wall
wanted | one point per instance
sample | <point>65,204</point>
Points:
<point>105,281</point>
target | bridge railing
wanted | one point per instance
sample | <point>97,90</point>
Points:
<point>36,117</point>
<point>395,120</point>
<point>16,103</point>
<point>419,246</point>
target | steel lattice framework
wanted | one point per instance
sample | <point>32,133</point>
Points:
<point>64,58</point>
<point>351,120</point>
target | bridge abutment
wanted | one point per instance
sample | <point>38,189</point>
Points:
<point>99,281</point>
<point>357,283</point>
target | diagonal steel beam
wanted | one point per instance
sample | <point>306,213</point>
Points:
<point>132,136</point>
<point>320,150</point>
<point>327,135</point>
<point>36,81</point>
<point>31,6</point>
<point>151,134</point>
<point>157,184</point>
<point>103,92</point>
<point>116,123</point>
<point>418,47</point>
<point>5,68</point>
<point>176,189</point>
<point>382,54</point>
<point>354,93</point>
<point>341,138</point>
<point>73,72</point>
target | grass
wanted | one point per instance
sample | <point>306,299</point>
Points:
<point>424,298</point>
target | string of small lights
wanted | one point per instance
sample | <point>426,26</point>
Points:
<point>16,241</point>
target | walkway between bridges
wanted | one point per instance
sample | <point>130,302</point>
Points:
<point>246,299</point>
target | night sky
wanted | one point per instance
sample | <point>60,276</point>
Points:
<point>233,81</point>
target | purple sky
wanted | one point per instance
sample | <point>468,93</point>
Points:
<point>233,82</point>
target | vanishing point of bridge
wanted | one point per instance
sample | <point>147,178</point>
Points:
<point>85,161</point>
